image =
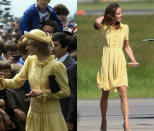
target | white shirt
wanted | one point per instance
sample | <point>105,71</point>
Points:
<point>44,16</point>
<point>62,59</point>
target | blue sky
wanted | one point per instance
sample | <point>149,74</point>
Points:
<point>19,6</point>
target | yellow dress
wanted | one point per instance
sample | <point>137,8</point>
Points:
<point>44,113</point>
<point>113,71</point>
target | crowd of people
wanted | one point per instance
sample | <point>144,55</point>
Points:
<point>38,70</point>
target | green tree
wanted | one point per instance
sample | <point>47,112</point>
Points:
<point>5,10</point>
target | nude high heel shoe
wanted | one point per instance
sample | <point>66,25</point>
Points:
<point>125,129</point>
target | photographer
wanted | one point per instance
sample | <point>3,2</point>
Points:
<point>5,111</point>
<point>11,52</point>
<point>16,105</point>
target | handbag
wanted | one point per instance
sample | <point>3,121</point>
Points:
<point>53,84</point>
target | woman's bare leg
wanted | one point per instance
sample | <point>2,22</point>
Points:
<point>103,106</point>
<point>124,105</point>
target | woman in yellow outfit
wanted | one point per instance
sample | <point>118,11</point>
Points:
<point>113,73</point>
<point>44,113</point>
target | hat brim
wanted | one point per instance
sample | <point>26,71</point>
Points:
<point>29,35</point>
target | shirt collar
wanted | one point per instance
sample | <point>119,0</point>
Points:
<point>62,59</point>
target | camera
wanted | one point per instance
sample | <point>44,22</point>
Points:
<point>16,58</point>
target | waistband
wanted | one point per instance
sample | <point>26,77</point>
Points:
<point>112,47</point>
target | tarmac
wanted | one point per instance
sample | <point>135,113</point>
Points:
<point>141,115</point>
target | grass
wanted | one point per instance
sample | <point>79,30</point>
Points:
<point>141,82</point>
<point>136,5</point>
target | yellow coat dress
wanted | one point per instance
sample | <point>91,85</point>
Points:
<point>113,71</point>
<point>44,113</point>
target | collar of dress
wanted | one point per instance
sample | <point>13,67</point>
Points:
<point>43,63</point>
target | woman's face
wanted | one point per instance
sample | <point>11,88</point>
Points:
<point>32,50</point>
<point>118,15</point>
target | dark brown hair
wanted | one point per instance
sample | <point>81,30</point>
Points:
<point>109,16</point>
<point>1,45</point>
<point>10,46</point>
<point>51,23</point>
<point>61,9</point>
<point>5,65</point>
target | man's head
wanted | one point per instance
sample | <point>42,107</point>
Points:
<point>8,70</point>
<point>5,69</point>
<point>62,12</point>
<point>61,44</point>
<point>11,49</point>
<point>50,26</point>
<point>42,4</point>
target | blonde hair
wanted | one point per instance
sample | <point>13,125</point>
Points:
<point>43,48</point>
<point>21,45</point>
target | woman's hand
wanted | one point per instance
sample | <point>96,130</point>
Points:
<point>98,22</point>
<point>133,64</point>
<point>34,93</point>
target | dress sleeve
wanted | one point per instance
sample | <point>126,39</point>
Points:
<point>19,79</point>
<point>127,32</point>
<point>59,71</point>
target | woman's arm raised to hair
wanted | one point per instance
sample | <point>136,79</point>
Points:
<point>98,22</point>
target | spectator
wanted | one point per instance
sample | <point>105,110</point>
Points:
<point>11,50</point>
<point>73,42</point>
<point>1,34</point>
<point>73,47</point>
<point>36,14</point>
<point>5,111</point>
<point>73,26</point>
<point>50,26</point>
<point>1,50</point>
<point>16,102</point>
<point>68,105</point>
<point>62,11</point>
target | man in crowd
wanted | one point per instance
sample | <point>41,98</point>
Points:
<point>68,105</point>
<point>50,26</point>
<point>62,12</point>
